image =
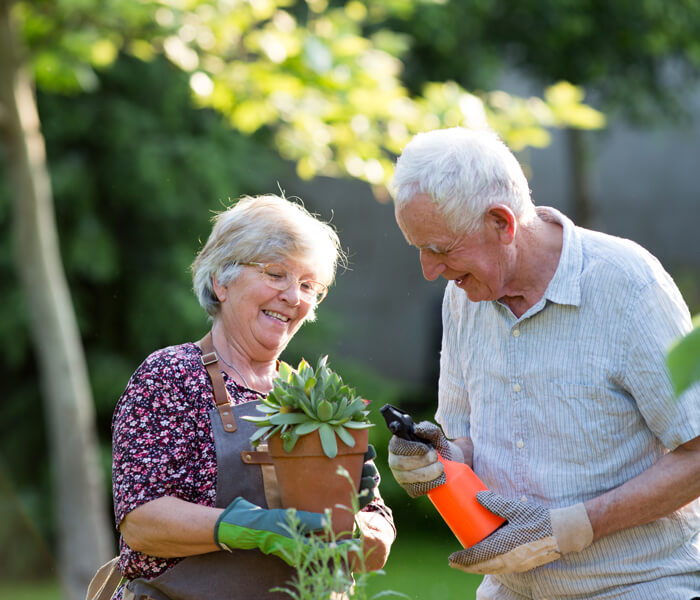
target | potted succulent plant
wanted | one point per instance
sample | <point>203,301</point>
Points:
<point>314,423</point>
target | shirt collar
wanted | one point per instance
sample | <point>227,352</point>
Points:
<point>565,286</point>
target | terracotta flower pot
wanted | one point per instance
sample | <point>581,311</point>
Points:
<point>308,480</point>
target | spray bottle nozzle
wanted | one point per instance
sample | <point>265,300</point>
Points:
<point>399,423</point>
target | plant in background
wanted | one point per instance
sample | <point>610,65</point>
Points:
<point>304,400</point>
<point>323,563</point>
<point>683,359</point>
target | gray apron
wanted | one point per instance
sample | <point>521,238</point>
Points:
<point>236,575</point>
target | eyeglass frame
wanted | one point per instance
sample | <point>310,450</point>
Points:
<point>264,266</point>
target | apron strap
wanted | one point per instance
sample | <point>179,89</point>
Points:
<point>210,361</point>
<point>262,457</point>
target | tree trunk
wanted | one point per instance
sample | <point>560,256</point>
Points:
<point>582,210</point>
<point>84,537</point>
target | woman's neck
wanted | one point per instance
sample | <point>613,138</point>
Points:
<point>237,364</point>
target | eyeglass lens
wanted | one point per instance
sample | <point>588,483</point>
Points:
<point>279,278</point>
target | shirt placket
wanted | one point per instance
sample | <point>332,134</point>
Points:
<point>516,358</point>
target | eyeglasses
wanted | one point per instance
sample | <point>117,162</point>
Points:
<point>279,278</point>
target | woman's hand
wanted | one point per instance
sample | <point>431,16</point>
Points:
<point>378,536</point>
<point>169,527</point>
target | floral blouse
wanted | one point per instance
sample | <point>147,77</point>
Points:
<point>162,443</point>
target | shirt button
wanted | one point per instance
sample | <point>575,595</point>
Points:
<point>516,333</point>
<point>523,498</point>
<point>516,387</point>
<point>520,444</point>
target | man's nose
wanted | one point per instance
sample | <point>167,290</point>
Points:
<point>431,265</point>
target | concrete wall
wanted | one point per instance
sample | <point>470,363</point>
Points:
<point>645,186</point>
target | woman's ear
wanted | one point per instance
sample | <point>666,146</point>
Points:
<point>503,220</point>
<point>219,289</point>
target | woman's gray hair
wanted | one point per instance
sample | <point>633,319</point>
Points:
<point>263,229</point>
<point>464,172</point>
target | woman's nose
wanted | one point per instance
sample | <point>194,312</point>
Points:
<point>292,294</point>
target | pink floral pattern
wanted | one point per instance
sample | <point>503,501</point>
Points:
<point>162,443</point>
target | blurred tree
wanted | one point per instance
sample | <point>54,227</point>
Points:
<point>635,59</point>
<point>80,512</point>
<point>298,75</point>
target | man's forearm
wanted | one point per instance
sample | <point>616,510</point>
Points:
<point>671,483</point>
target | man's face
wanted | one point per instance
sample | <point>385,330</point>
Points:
<point>477,263</point>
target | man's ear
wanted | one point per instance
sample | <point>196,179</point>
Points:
<point>502,219</point>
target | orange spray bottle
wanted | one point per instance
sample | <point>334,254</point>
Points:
<point>455,499</point>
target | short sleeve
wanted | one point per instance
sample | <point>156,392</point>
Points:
<point>152,433</point>
<point>657,318</point>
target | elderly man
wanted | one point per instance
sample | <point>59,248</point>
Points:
<point>552,385</point>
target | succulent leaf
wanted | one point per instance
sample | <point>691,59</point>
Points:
<point>259,434</point>
<point>325,410</point>
<point>285,371</point>
<point>309,385</point>
<point>306,428</point>
<point>345,436</point>
<point>293,418</point>
<point>328,443</point>
<point>357,425</point>
<point>304,400</point>
<point>289,440</point>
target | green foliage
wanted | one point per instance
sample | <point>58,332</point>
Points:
<point>683,359</point>
<point>305,400</point>
<point>137,173</point>
<point>302,74</point>
<point>636,57</point>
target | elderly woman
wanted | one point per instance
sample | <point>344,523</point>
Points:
<point>178,477</point>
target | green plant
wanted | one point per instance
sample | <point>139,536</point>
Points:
<point>683,359</point>
<point>323,562</point>
<point>304,400</point>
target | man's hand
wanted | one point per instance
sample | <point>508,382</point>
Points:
<point>533,536</point>
<point>415,465</point>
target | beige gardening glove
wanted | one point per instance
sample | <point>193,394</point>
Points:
<point>533,536</point>
<point>415,465</point>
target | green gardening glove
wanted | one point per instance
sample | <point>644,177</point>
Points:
<point>246,526</point>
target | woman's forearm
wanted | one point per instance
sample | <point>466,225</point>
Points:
<point>169,527</point>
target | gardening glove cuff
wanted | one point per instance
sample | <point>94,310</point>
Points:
<point>571,528</point>
<point>369,480</point>
<point>244,525</point>
<point>533,536</point>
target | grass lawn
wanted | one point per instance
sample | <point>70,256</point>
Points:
<point>29,590</point>
<point>417,567</point>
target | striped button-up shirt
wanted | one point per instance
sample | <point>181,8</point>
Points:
<point>571,400</point>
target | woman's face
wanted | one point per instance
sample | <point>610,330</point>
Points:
<point>258,319</point>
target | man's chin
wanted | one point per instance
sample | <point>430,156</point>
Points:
<point>476,295</point>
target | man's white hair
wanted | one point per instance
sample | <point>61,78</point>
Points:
<point>464,172</point>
